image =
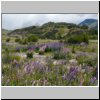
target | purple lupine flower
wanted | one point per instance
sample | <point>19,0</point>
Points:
<point>72,73</point>
<point>82,54</point>
<point>34,65</point>
<point>93,80</point>
<point>53,45</point>
<point>28,68</point>
<point>66,50</point>
<point>64,77</point>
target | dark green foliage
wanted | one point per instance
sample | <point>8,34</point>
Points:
<point>85,38</point>
<point>73,49</point>
<point>17,40</point>
<point>37,49</point>
<point>50,35</point>
<point>91,62</point>
<point>32,38</point>
<point>6,57</point>
<point>29,55</point>
<point>23,49</point>
<point>23,41</point>
<point>78,39</point>
<point>48,49</point>
<point>84,27</point>
<point>8,39</point>
<point>93,34</point>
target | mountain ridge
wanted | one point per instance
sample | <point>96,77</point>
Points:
<point>91,23</point>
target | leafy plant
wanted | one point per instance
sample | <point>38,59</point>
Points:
<point>29,55</point>
<point>8,39</point>
<point>32,38</point>
<point>59,55</point>
<point>17,40</point>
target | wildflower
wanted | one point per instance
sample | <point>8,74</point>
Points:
<point>73,62</point>
<point>72,73</point>
<point>36,65</point>
<point>93,80</point>
<point>64,77</point>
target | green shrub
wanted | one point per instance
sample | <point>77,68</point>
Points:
<point>85,38</point>
<point>32,38</point>
<point>23,41</point>
<point>15,57</point>
<point>78,39</point>
<point>41,52</point>
<point>23,49</point>
<point>59,55</point>
<point>8,39</point>
<point>29,55</point>
<point>48,49</point>
<point>17,40</point>
<point>91,62</point>
<point>6,58</point>
<point>73,49</point>
<point>80,59</point>
<point>84,27</point>
<point>37,49</point>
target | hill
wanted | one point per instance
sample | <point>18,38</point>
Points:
<point>91,23</point>
<point>51,30</point>
<point>48,30</point>
<point>5,31</point>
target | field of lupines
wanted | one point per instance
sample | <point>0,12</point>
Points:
<point>50,64</point>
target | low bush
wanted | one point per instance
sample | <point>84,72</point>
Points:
<point>37,49</point>
<point>41,52</point>
<point>78,39</point>
<point>17,40</point>
<point>29,55</point>
<point>24,41</point>
<point>48,49</point>
<point>15,57</point>
<point>32,38</point>
<point>73,49</point>
<point>8,39</point>
<point>59,55</point>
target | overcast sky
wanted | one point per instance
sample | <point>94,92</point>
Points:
<point>14,21</point>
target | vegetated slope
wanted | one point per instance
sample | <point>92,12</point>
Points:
<point>5,31</point>
<point>47,30</point>
<point>51,30</point>
<point>91,23</point>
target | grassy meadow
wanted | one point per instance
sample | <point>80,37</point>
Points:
<point>50,59</point>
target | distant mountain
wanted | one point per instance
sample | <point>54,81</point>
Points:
<point>91,23</point>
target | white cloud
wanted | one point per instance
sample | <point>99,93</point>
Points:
<point>14,21</point>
